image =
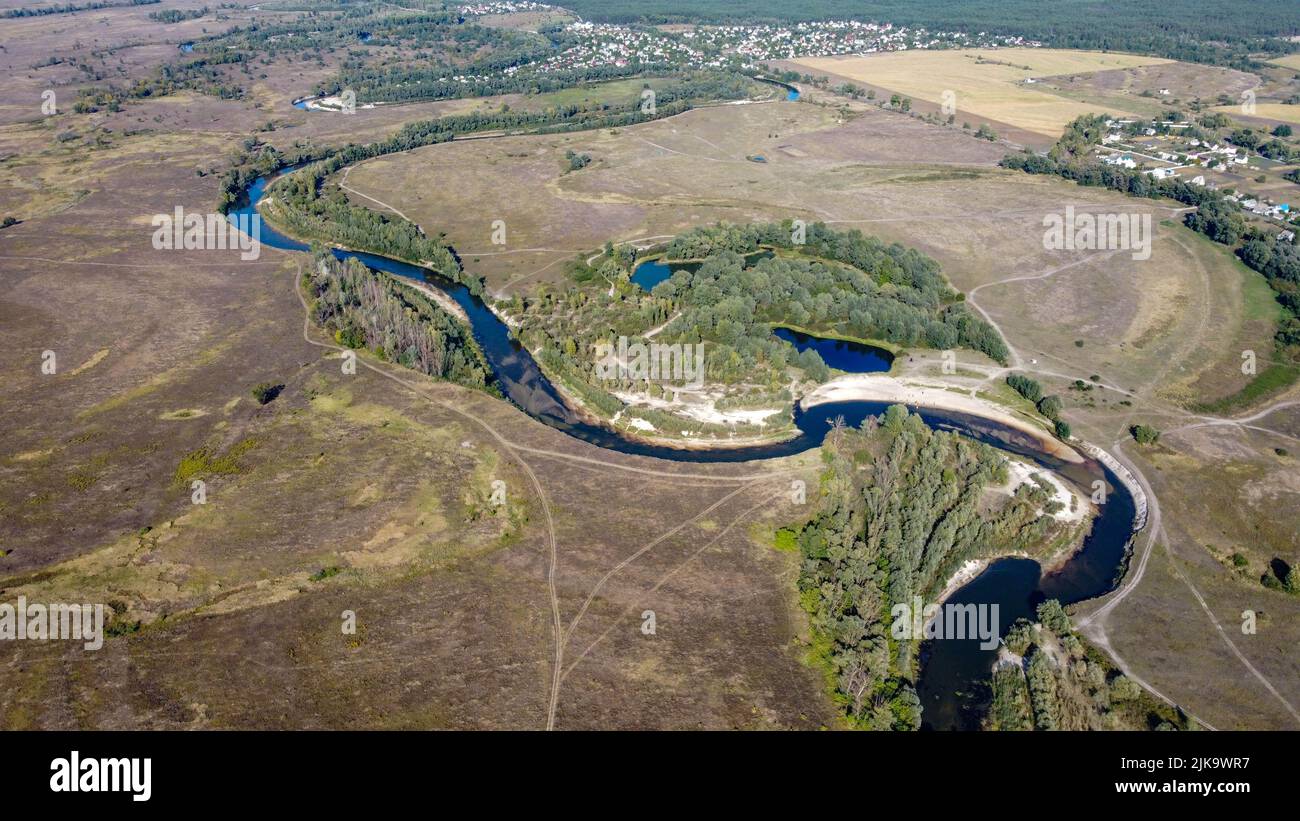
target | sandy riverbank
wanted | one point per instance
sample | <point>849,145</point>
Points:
<point>867,387</point>
<point>440,298</point>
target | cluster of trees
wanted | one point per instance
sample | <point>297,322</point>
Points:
<point>177,15</point>
<point>729,297</point>
<point>902,509</point>
<point>576,160</point>
<point>1049,406</point>
<point>881,292</point>
<point>1279,261</point>
<point>490,51</point>
<point>437,43</point>
<point>1054,681</point>
<point>369,309</point>
<point>497,61</point>
<point>1251,140</point>
<point>1116,178</point>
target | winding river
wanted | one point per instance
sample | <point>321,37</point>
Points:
<point>953,671</point>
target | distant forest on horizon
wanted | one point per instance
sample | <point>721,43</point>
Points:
<point>1212,31</point>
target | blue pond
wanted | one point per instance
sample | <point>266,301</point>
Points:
<point>850,357</point>
<point>650,273</point>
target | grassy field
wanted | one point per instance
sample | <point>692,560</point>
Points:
<point>1149,90</point>
<point>1272,112</point>
<point>1289,61</point>
<point>987,83</point>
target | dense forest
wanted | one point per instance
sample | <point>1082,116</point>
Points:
<point>1210,31</point>
<point>903,507</point>
<point>1050,679</point>
<point>369,309</point>
<point>880,291</point>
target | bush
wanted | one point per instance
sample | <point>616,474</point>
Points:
<point>1026,387</point>
<point>1144,434</point>
<point>1052,616</point>
<point>265,392</point>
<point>1122,688</point>
<point>1050,406</point>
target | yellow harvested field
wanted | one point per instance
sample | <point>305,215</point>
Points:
<point>1267,111</point>
<point>1289,61</point>
<point>987,82</point>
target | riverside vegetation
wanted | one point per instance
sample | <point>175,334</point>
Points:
<point>1049,679</point>
<point>839,283</point>
<point>370,309</point>
<point>903,506</point>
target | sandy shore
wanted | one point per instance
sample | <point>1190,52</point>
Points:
<point>867,387</point>
<point>1075,506</point>
<point>439,297</point>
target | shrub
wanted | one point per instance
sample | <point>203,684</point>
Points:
<point>1052,616</point>
<point>265,392</point>
<point>1026,387</point>
<point>1050,406</point>
<point>1145,434</point>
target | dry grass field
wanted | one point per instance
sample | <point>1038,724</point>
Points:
<point>1223,490</point>
<point>986,83</point>
<point>1289,61</point>
<point>1149,90</point>
<point>119,42</point>
<point>1271,113</point>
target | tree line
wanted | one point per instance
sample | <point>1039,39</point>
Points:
<point>369,309</point>
<point>1202,31</point>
